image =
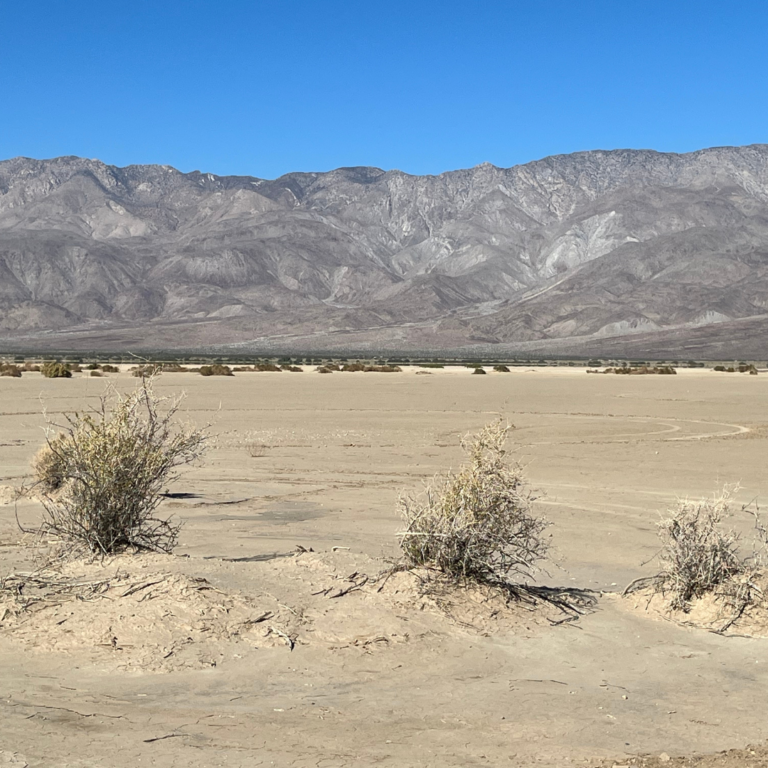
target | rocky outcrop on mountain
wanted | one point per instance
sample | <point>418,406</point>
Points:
<point>576,252</point>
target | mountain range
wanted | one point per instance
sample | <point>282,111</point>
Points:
<point>614,253</point>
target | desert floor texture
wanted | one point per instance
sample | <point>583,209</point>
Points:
<point>186,660</point>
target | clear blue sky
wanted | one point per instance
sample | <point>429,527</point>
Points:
<point>264,88</point>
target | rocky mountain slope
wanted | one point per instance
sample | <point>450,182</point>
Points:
<point>576,253</point>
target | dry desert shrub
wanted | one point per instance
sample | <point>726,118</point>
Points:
<point>476,523</point>
<point>149,370</point>
<point>9,369</point>
<point>110,467</point>
<point>216,370</point>
<point>56,371</point>
<point>697,552</point>
<point>110,369</point>
<point>366,368</point>
<point>701,556</point>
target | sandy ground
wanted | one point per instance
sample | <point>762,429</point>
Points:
<point>187,660</point>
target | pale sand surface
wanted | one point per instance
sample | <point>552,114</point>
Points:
<point>330,454</point>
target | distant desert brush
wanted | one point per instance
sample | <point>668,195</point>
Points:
<point>109,467</point>
<point>476,523</point>
<point>699,554</point>
<point>215,370</point>
<point>56,370</point>
<point>9,369</point>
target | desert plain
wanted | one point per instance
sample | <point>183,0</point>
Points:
<point>271,637</point>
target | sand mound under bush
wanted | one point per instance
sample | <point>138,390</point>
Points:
<point>133,614</point>
<point>151,622</point>
<point>710,612</point>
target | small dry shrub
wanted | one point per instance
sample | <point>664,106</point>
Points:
<point>111,466</point>
<point>109,369</point>
<point>700,555</point>
<point>383,369</point>
<point>478,370</point>
<point>477,523</point>
<point>216,370</point>
<point>96,374</point>
<point>366,368</point>
<point>149,370</point>
<point>263,367</point>
<point>8,369</point>
<point>501,368</point>
<point>56,371</point>
<point>323,369</point>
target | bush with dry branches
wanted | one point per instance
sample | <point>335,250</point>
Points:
<point>476,523</point>
<point>110,467</point>
<point>700,555</point>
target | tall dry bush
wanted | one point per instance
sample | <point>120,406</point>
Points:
<point>477,523</point>
<point>110,467</point>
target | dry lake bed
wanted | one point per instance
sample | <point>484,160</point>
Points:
<point>270,638</point>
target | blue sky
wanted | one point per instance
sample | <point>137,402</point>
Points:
<point>264,88</point>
